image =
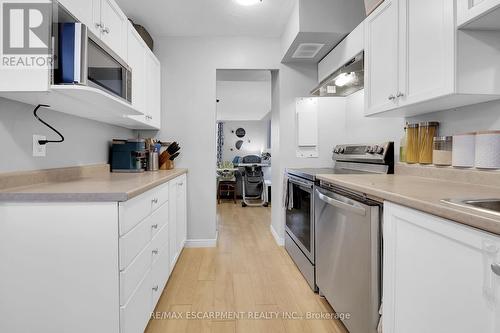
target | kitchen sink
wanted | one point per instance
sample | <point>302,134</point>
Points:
<point>486,205</point>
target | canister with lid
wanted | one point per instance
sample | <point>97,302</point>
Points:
<point>426,133</point>
<point>442,150</point>
<point>412,143</point>
<point>464,150</point>
<point>488,150</point>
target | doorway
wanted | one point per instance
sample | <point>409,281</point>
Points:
<point>243,137</point>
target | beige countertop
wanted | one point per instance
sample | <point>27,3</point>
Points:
<point>425,194</point>
<point>95,186</point>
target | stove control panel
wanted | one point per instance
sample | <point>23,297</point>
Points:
<point>370,153</point>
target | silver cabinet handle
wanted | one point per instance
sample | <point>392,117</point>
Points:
<point>105,30</point>
<point>341,205</point>
<point>99,25</point>
<point>155,200</point>
<point>181,184</point>
<point>399,94</point>
<point>391,97</point>
<point>155,288</point>
<point>155,251</point>
<point>154,226</point>
<point>496,269</point>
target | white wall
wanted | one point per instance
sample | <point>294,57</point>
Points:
<point>256,133</point>
<point>87,141</point>
<point>485,116</point>
<point>189,67</point>
<point>243,100</point>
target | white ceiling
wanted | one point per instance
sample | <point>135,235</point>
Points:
<point>209,17</point>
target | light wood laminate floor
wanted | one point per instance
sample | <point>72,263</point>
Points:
<point>246,273</point>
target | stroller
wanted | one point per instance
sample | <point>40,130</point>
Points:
<point>253,181</point>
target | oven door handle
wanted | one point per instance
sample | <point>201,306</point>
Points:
<point>299,183</point>
<point>342,205</point>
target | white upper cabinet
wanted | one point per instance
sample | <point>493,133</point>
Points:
<point>146,82</point>
<point>137,62</point>
<point>381,58</point>
<point>426,50</point>
<point>153,92</point>
<point>438,275</point>
<point>417,62</point>
<point>114,27</point>
<point>112,24</point>
<point>84,12</point>
<point>478,14</point>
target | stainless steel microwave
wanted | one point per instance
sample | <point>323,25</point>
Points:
<point>84,59</point>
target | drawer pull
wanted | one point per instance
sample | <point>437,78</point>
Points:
<point>155,251</point>
<point>155,226</point>
<point>155,288</point>
<point>155,200</point>
<point>496,269</point>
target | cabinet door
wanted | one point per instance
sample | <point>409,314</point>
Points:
<point>153,90</point>
<point>137,61</point>
<point>438,275</point>
<point>172,223</point>
<point>181,213</point>
<point>469,10</point>
<point>114,30</point>
<point>381,58</point>
<point>427,47</point>
<point>83,11</point>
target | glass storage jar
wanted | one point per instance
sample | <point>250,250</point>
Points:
<point>443,150</point>
<point>412,152</point>
<point>426,133</point>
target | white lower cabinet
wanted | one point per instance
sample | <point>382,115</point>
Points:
<point>106,263</point>
<point>178,212</point>
<point>438,275</point>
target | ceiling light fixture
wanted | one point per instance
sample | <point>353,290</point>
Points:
<point>248,2</point>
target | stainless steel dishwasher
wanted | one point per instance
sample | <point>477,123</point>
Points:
<point>348,255</point>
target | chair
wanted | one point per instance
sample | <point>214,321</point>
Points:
<point>226,181</point>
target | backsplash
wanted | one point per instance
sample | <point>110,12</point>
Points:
<point>478,117</point>
<point>86,141</point>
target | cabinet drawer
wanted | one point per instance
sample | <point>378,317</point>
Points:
<point>160,273</point>
<point>134,242</point>
<point>133,274</point>
<point>134,211</point>
<point>134,316</point>
<point>159,196</point>
<point>159,219</point>
<point>159,244</point>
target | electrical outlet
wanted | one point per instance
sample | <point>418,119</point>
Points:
<point>38,149</point>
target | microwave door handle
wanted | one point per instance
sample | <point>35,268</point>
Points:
<point>84,60</point>
<point>342,205</point>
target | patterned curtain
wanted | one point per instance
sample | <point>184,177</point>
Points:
<point>220,141</point>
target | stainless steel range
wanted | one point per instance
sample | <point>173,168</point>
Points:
<point>305,208</point>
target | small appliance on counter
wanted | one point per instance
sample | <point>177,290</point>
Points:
<point>128,155</point>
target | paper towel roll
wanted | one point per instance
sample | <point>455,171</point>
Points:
<point>488,150</point>
<point>464,150</point>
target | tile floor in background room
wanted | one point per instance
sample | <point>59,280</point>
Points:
<point>246,272</point>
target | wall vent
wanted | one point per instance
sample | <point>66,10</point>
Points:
<point>307,50</point>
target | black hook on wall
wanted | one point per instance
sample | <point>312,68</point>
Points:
<point>44,142</point>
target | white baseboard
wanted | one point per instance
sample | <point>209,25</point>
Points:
<point>194,243</point>
<point>279,240</point>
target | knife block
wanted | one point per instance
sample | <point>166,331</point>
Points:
<point>165,162</point>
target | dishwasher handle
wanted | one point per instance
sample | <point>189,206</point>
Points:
<point>342,205</point>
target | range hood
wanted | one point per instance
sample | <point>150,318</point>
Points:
<point>345,81</point>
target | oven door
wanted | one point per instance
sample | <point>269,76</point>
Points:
<point>300,216</point>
